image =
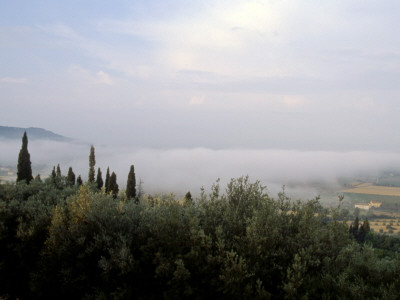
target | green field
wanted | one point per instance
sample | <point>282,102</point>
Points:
<point>366,198</point>
<point>389,181</point>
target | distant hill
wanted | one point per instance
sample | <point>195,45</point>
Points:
<point>33,133</point>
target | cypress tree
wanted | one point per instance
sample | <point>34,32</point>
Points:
<point>58,171</point>
<point>366,227</point>
<point>79,181</point>
<point>114,189</point>
<point>131,184</point>
<point>53,174</point>
<point>107,183</point>
<point>37,178</point>
<point>354,228</point>
<point>99,179</point>
<point>363,231</point>
<point>140,191</point>
<point>92,163</point>
<point>24,171</point>
<point>188,199</point>
<point>70,177</point>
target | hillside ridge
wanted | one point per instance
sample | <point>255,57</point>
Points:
<point>34,133</point>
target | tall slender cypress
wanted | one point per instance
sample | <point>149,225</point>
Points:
<point>99,179</point>
<point>24,171</point>
<point>92,163</point>
<point>58,171</point>
<point>131,184</point>
<point>70,177</point>
<point>53,173</point>
<point>79,181</point>
<point>113,186</point>
<point>188,198</point>
<point>107,183</point>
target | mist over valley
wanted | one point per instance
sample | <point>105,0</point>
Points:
<point>305,174</point>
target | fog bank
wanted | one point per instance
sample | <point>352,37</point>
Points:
<point>180,170</point>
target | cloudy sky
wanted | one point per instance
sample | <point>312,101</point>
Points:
<point>305,75</point>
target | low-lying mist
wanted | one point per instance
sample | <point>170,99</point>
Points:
<point>182,170</point>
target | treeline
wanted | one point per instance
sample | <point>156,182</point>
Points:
<point>24,173</point>
<point>241,244</point>
<point>77,242</point>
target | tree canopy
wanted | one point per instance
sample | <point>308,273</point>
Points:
<point>74,243</point>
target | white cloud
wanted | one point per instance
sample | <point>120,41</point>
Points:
<point>293,101</point>
<point>88,76</point>
<point>103,77</point>
<point>207,40</point>
<point>236,39</point>
<point>196,100</point>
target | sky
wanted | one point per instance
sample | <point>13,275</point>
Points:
<point>306,75</point>
<point>280,90</point>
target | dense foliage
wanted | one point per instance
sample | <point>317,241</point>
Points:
<point>63,241</point>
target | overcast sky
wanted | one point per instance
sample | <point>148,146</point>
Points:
<point>308,75</point>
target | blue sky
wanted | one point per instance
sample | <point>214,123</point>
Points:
<point>314,75</point>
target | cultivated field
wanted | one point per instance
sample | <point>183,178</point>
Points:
<point>371,189</point>
<point>388,226</point>
<point>7,179</point>
<point>385,226</point>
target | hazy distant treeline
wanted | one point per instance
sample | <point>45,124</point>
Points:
<point>62,241</point>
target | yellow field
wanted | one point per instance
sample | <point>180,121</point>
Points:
<point>381,226</point>
<point>369,188</point>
